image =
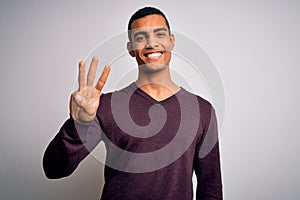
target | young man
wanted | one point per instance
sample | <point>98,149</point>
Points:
<point>154,130</point>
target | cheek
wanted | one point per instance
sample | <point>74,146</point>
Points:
<point>168,47</point>
<point>168,55</point>
<point>139,53</point>
<point>138,46</point>
<point>166,43</point>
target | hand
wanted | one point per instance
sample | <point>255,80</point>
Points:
<point>85,101</point>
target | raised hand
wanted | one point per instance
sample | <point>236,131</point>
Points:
<point>85,101</point>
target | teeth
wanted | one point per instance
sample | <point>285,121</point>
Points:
<point>154,55</point>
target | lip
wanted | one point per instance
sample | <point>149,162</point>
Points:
<point>156,54</point>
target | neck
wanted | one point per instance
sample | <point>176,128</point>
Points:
<point>158,85</point>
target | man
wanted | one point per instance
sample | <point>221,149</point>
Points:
<point>154,130</point>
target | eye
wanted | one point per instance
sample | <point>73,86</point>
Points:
<point>160,34</point>
<point>139,38</point>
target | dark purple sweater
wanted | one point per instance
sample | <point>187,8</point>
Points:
<point>152,158</point>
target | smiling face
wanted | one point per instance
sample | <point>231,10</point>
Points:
<point>151,43</point>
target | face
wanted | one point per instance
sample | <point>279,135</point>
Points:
<point>151,44</point>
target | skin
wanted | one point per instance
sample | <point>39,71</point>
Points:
<point>149,36</point>
<point>85,101</point>
<point>154,74</point>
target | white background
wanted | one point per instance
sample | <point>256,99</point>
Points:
<point>254,45</point>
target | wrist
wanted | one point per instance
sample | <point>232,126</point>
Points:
<point>80,122</point>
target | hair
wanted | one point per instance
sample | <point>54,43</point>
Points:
<point>143,12</point>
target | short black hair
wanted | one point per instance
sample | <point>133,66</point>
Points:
<point>143,12</point>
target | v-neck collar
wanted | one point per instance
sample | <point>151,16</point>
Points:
<point>153,100</point>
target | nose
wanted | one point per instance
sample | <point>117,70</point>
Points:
<point>151,42</point>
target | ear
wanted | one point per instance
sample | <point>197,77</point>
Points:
<point>172,39</point>
<point>130,49</point>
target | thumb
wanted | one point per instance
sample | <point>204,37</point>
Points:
<point>82,102</point>
<point>79,100</point>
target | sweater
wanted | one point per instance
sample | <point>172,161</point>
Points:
<point>152,146</point>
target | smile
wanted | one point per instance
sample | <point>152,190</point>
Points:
<point>153,55</point>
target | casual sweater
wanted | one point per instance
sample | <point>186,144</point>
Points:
<point>152,146</point>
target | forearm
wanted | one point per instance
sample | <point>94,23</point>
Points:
<point>208,173</point>
<point>207,162</point>
<point>68,148</point>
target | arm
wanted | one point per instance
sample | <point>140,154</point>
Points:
<point>81,133</point>
<point>69,147</point>
<point>207,163</point>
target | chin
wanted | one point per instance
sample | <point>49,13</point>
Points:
<point>152,67</point>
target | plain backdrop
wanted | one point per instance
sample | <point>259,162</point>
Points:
<point>254,45</point>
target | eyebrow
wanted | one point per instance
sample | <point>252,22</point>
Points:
<point>160,29</point>
<point>140,32</point>
<point>145,33</point>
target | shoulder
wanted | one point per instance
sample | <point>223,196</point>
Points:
<point>206,109</point>
<point>125,91</point>
<point>203,103</point>
<point>107,98</point>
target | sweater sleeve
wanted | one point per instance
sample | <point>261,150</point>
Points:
<point>207,162</point>
<point>69,147</point>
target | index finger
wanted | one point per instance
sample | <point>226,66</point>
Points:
<point>81,75</point>
<point>102,80</point>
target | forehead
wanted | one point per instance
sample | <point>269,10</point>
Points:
<point>149,21</point>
